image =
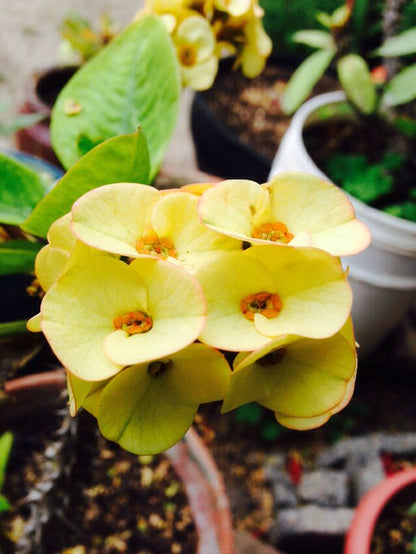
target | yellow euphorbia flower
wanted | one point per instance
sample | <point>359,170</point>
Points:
<point>103,314</point>
<point>148,407</point>
<point>235,8</point>
<point>195,44</point>
<point>303,381</point>
<point>293,208</point>
<point>257,48</point>
<point>264,292</point>
<point>137,220</point>
<point>62,251</point>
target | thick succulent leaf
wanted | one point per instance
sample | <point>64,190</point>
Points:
<point>400,45</point>
<point>355,78</point>
<point>21,189</point>
<point>18,256</point>
<point>401,88</point>
<point>122,158</point>
<point>314,38</point>
<point>148,419</point>
<point>304,79</point>
<point>133,81</point>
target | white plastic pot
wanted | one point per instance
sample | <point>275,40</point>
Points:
<point>383,277</point>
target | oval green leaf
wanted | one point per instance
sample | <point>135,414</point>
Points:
<point>316,39</point>
<point>18,256</point>
<point>355,79</point>
<point>119,159</point>
<point>400,45</point>
<point>402,88</point>
<point>21,189</point>
<point>304,79</point>
<point>133,81</point>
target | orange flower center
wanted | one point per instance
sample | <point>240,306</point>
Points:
<point>133,322</point>
<point>153,245</point>
<point>277,232</point>
<point>187,55</point>
<point>264,303</point>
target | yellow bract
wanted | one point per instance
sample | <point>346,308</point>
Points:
<point>303,381</point>
<point>79,310</point>
<point>306,288</point>
<point>303,209</point>
<point>195,42</point>
<point>137,220</point>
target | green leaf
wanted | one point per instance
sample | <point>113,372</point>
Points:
<point>18,256</point>
<point>355,79</point>
<point>324,19</point>
<point>21,122</point>
<point>406,126</point>
<point>304,79</point>
<point>4,504</point>
<point>20,190</point>
<point>134,81</point>
<point>12,328</point>
<point>249,413</point>
<point>405,210</point>
<point>340,16</point>
<point>358,177</point>
<point>120,159</point>
<point>401,88</point>
<point>148,420</point>
<point>316,39</point>
<point>6,441</point>
<point>400,45</point>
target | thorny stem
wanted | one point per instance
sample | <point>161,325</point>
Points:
<point>390,22</point>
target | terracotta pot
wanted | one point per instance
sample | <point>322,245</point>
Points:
<point>358,539</point>
<point>205,488</point>
<point>40,97</point>
<point>383,277</point>
<point>190,458</point>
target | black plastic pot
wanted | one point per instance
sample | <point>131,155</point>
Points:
<point>218,149</point>
<point>41,93</point>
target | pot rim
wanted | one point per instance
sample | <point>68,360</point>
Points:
<point>358,538</point>
<point>206,493</point>
<point>298,122</point>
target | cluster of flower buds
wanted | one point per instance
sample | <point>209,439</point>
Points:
<point>158,301</point>
<point>203,31</point>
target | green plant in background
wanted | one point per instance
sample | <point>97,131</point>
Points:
<point>283,19</point>
<point>6,441</point>
<point>368,94</point>
<point>380,87</point>
<point>80,41</point>
<point>365,180</point>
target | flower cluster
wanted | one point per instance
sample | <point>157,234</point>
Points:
<point>150,294</point>
<point>204,30</point>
